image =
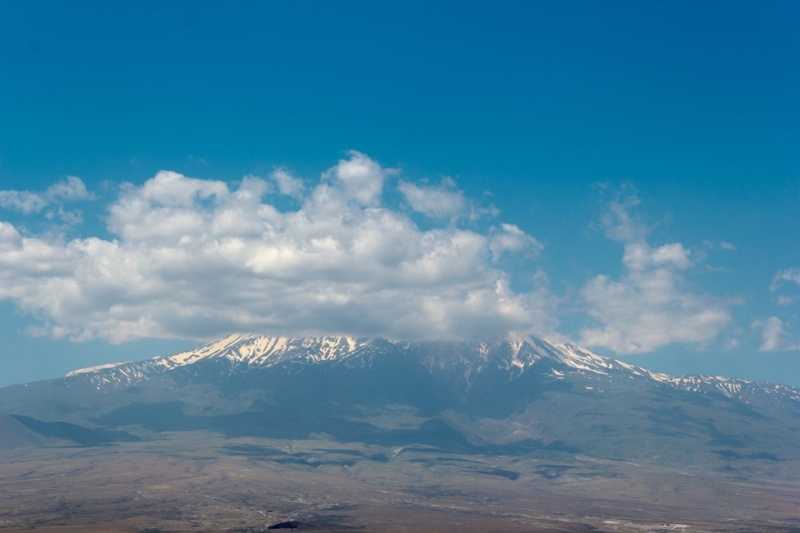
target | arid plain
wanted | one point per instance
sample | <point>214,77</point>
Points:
<point>203,482</point>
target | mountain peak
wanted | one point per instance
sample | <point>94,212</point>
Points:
<point>515,354</point>
<point>259,350</point>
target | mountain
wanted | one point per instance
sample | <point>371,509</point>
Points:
<point>459,362</point>
<point>513,395</point>
<point>14,434</point>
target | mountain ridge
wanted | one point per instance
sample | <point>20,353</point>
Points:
<point>514,396</point>
<point>246,351</point>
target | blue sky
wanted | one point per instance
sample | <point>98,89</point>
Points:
<point>625,175</point>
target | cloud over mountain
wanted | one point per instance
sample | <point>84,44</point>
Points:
<point>195,258</point>
<point>361,251</point>
<point>650,305</point>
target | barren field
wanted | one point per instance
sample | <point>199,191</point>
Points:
<point>202,482</point>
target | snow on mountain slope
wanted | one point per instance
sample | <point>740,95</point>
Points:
<point>254,350</point>
<point>242,352</point>
<point>748,391</point>
<point>514,354</point>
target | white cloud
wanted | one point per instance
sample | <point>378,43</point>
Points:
<point>649,305</point>
<point>646,310</point>
<point>620,224</point>
<point>721,245</point>
<point>198,258</point>
<point>71,218</point>
<point>509,238</point>
<point>639,256</point>
<point>478,212</point>
<point>443,201</point>
<point>792,275</point>
<point>28,202</point>
<point>288,184</point>
<point>25,202</point>
<point>774,337</point>
<point>71,188</point>
<point>360,177</point>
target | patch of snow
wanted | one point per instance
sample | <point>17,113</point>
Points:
<point>97,368</point>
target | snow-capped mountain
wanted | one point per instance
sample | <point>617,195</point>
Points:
<point>512,395</point>
<point>462,361</point>
<point>241,352</point>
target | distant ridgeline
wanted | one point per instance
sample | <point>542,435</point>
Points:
<point>512,395</point>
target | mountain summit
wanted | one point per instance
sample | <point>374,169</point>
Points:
<point>463,361</point>
<point>512,395</point>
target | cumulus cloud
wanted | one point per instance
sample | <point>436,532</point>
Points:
<point>28,202</point>
<point>288,184</point>
<point>774,337</point>
<point>509,238</point>
<point>649,305</point>
<point>443,201</point>
<point>195,259</point>
<point>360,178</point>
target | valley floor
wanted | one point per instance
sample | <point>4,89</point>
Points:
<point>202,482</point>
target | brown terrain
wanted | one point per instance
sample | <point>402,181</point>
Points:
<point>203,482</point>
